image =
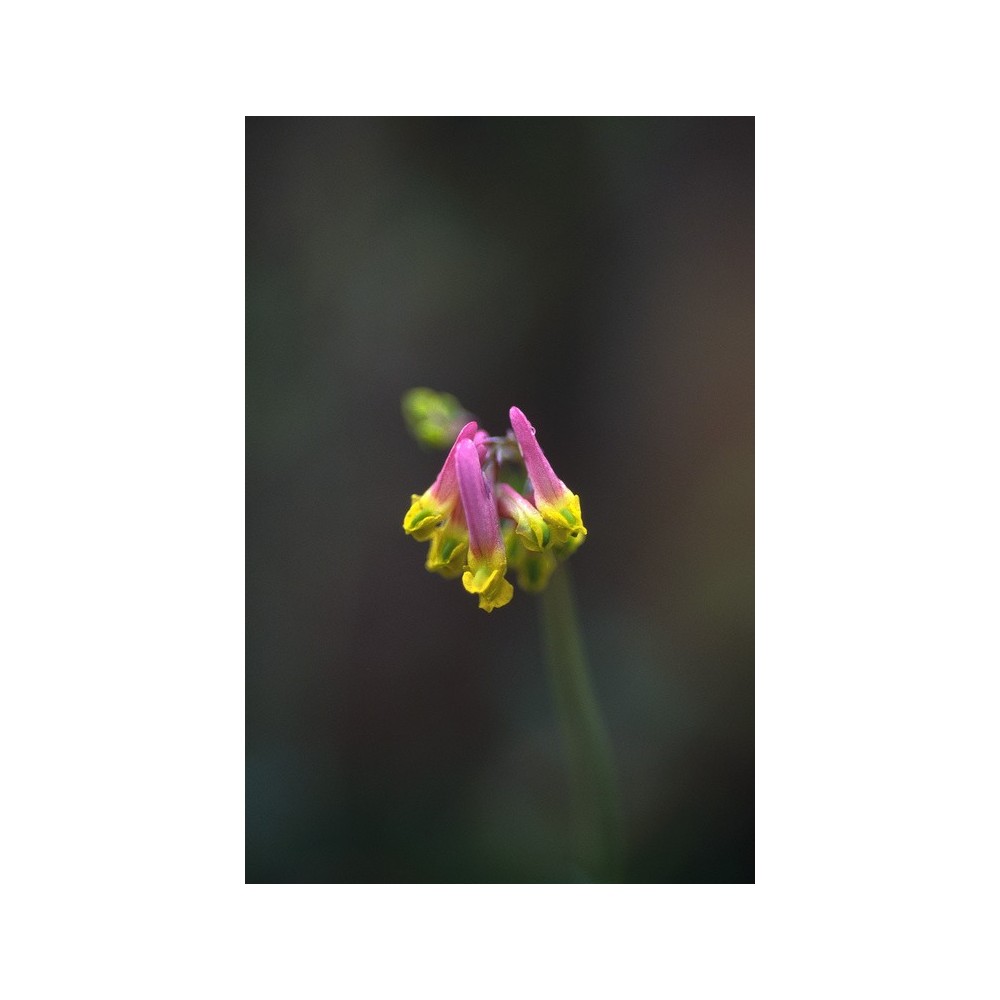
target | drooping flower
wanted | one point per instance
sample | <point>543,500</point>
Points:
<point>528,522</point>
<point>487,561</point>
<point>532,568</point>
<point>558,506</point>
<point>437,515</point>
<point>482,516</point>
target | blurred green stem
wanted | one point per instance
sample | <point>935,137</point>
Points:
<point>592,779</point>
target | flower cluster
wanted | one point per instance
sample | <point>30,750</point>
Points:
<point>483,516</point>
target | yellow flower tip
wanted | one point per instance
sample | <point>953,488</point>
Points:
<point>486,578</point>
<point>534,569</point>
<point>447,553</point>
<point>534,533</point>
<point>565,519</point>
<point>568,547</point>
<point>528,522</point>
<point>492,587</point>
<point>423,518</point>
<point>503,597</point>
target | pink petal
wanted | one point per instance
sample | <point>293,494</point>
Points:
<point>477,501</point>
<point>446,484</point>
<point>547,485</point>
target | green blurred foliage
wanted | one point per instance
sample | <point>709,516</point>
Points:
<point>433,418</point>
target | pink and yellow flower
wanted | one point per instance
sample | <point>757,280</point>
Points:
<point>437,516</point>
<point>479,526</point>
<point>487,561</point>
<point>557,504</point>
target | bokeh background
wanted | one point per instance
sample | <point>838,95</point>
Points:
<point>599,274</point>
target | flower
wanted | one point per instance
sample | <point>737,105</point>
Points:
<point>529,524</point>
<point>558,506</point>
<point>487,562</point>
<point>437,515</point>
<point>533,569</point>
<point>479,524</point>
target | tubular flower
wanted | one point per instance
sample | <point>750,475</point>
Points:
<point>533,569</point>
<point>559,507</point>
<point>437,515</point>
<point>487,563</point>
<point>528,523</point>
<point>479,524</point>
<point>448,550</point>
<point>430,511</point>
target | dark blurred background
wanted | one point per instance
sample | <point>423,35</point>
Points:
<point>598,273</point>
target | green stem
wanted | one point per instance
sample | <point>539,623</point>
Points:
<point>592,778</point>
